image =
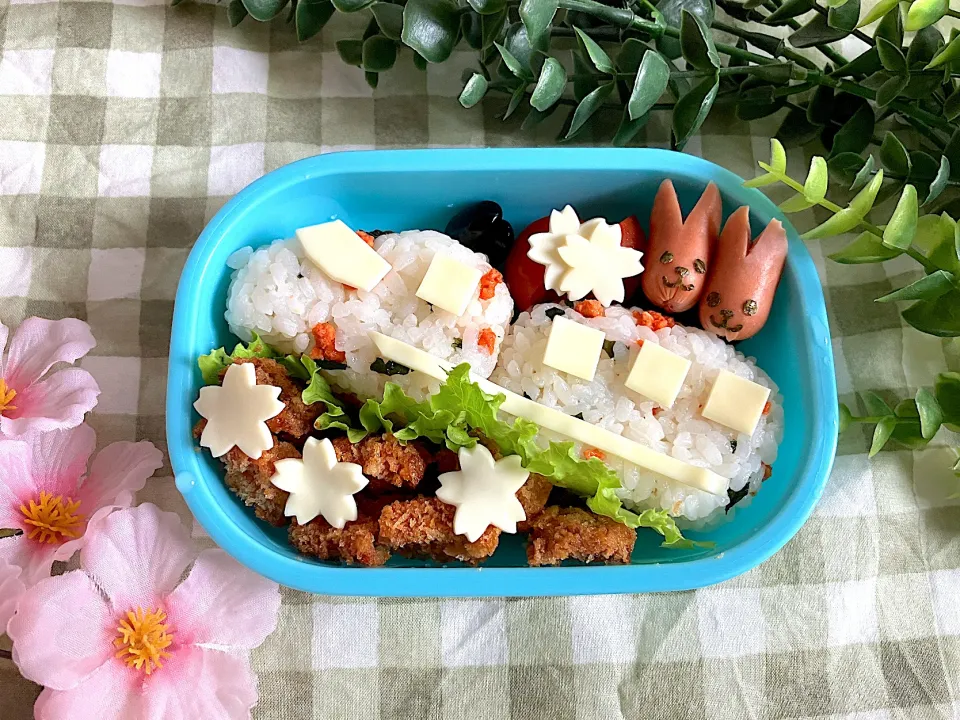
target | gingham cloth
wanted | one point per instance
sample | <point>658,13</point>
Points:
<point>124,127</point>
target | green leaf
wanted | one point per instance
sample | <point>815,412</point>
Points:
<point>516,98</point>
<point>264,10</point>
<point>550,85</point>
<point>891,89</point>
<point>748,110</point>
<point>778,157</point>
<point>778,74</point>
<point>350,51</point>
<point>928,287</point>
<point>431,27</point>
<point>372,78</point>
<point>845,16</point>
<point>865,63</point>
<point>845,166</point>
<point>854,135</point>
<point>795,204</point>
<point>601,61</point>
<point>788,11</point>
<point>311,17</point>
<point>946,253</point>
<point>696,43</point>
<point>537,17</point>
<point>516,41</point>
<point>379,54</point>
<point>923,13</point>
<point>952,152</point>
<point>351,6</point>
<point>931,416</point>
<point>864,175</point>
<point>951,108</point>
<point>817,32</point>
<point>586,81</point>
<point>628,129</point>
<point>672,11</point>
<point>867,248</point>
<point>815,186</point>
<point>212,364</point>
<point>535,117</point>
<point>512,63</point>
<point>843,221</point>
<point>846,418</point>
<point>631,55</point>
<point>940,317</point>
<point>876,405</point>
<point>881,434</point>
<point>863,201</point>
<point>587,107</point>
<point>946,389</point>
<point>692,109</point>
<point>389,18</point>
<point>903,223</point>
<point>487,7</point>
<point>891,56</point>
<point>762,180</point>
<point>236,12</point>
<point>940,181</point>
<point>650,84</point>
<point>891,28</point>
<point>474,90</point>
<point>948,54</point>
<point>924,47</point>
<point>878,11</point>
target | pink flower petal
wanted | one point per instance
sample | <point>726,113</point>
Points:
<point>11,588</point>
<point>3,343</point>
<point>110,693</point>
<point>34,558</point>
<point>137,555</point>
<point>63,631</point>
<point>59,459</point>
<point>60,401</point>
<point>119,471</point>
<point>223,603</point>
<point>16,481</point>
<point>39,344</point>
<point>200,683</point>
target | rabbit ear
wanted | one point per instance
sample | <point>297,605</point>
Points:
<point>706,214</point>
<point>772,242</point>
<point>735,239</point>
<point>666,219</point>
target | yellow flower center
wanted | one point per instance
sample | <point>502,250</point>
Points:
<point>143,639</point>
<point>6,397</point>
<point>53,518</point>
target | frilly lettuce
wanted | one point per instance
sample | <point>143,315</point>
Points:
<point>212,364</point>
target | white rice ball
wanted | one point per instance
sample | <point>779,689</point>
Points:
<point>679,431</point>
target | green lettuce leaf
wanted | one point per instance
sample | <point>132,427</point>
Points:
<point>212,364</point>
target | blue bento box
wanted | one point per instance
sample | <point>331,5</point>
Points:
<point>422,189</point>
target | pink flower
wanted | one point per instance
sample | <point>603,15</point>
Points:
<point>120,638</point>
<point>30,401</point>
<point>10,591</point>
<point>46,491</point>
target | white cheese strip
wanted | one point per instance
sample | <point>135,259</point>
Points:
<point>343,255</point>
<point>736,402</point>
<point>682,472</point>
<point>573,348</point>
<point>449,284</point>
<point>657,374</point>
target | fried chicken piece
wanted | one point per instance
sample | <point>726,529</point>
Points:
<point>355,543</point>
<point>385,461</point>
<point>424,526</point>
<point>558,534</point>
<point>250,480</point>
<point>533,495</point>
<point>296,419</point>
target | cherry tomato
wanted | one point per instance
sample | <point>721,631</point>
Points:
<point>525,277</point>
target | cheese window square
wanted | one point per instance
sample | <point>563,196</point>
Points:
<point>658,374</point>
<point>736,403</point>
<point>573,348</point>
<point>449,284</point>
<point>343,255</point>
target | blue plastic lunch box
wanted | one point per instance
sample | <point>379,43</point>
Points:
<point>422,189</point>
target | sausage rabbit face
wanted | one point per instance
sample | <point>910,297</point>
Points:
<point>739,292</point>
<point>678,253</point>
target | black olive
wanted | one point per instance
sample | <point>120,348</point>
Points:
<point>481,228</point>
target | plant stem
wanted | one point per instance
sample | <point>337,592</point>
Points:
<point>6,655</point>
<point>859,34</point>
<point>953,13</point>
<point>784,52</point>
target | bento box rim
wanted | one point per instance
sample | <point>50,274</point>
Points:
<point>499,581</point>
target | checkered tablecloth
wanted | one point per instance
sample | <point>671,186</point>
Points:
<point>124,127</point>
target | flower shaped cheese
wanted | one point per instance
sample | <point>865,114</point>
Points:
<point>237,411</point>
<point>484,492</point>
<point>580,258</point>
<point>319,484</point>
